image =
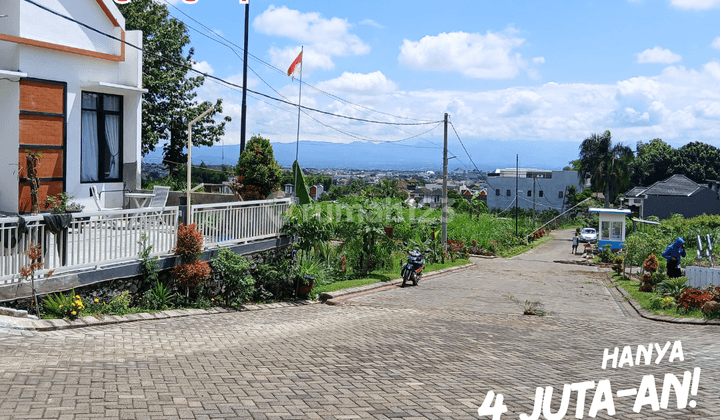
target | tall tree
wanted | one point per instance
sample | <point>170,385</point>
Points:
<point>607,165</point>
<point>655,161</point>
<point>170,103</point>
<point>698,161</point>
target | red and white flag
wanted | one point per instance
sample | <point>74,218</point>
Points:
<point>293,66</point>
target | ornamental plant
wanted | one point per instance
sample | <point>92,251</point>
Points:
<point>191,272</point>
<point>651,263</point>
<point>694,298</point>
<point>62,306</point>
<point>618,266</point>
<point>258,172</point>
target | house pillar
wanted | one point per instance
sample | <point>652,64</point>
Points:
<point>9,138</point>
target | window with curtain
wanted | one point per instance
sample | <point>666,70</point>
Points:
<point>101,141</point>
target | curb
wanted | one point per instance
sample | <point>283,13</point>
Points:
<point>329,297</point>
<point>93,321</point>
<point>644,313</point>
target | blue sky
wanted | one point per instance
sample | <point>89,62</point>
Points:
<point>506,71</point>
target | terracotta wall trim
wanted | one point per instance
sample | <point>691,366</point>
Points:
<point>105,9</point>
<point>66,49</point>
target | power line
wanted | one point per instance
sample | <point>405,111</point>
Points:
<point>220,79</point>
<point>470,157</point>
<point>363,138</point>
<point>275,68</point>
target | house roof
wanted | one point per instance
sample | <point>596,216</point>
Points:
<point>677,185</point>
<point>636,191</point>
<point>604,210</point>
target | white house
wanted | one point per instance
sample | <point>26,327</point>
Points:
<point>73,94</point>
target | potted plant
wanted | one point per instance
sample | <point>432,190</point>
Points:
<point>61,204</point>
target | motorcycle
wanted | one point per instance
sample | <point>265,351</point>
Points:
<point>412,269</point>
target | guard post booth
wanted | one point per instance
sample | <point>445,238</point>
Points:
<point>612,227</point>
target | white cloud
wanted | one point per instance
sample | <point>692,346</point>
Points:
<point>203,67</point>
<point>325,38</point>
<point>371,84</point>
<point>539,60</point>
<point>658,55</point>
<point>371,22</point>
<point>282,58</point>
<point>707,109</point>
<point>521,103</point>
<point>678,104</point>
<point>716,43</point>
<point>488,56</point>
<point>695,4</point>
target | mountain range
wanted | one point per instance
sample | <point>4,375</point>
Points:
<point>487,155</point>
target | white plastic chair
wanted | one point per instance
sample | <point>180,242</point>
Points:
<point>158,202</point>
<point>160,197</point>
<point>96,197</point>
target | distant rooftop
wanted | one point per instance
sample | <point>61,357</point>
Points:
<point>677,185</point>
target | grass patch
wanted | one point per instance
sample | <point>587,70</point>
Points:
<point>643,299</point>
<point>380,277</point>
<point>520,249</point>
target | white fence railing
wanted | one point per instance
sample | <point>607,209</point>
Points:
<point>102,238</point>
<point>243,221</point>
<point>91,239</point>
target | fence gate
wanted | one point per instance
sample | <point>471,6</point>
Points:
<point>42,129</point>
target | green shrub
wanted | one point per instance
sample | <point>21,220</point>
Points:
<point>119,304</point>
<point>64,306</point>
<point>672,287</point>
<point>232,273</point>
<point>148,266</point>
<point>157,298</point>
<point>606,255</point>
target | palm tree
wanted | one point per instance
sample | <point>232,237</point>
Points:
<point>607,165</point>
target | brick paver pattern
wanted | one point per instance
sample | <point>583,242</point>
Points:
<point>426,352</point>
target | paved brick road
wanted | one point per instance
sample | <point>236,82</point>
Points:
<point>427,352</point>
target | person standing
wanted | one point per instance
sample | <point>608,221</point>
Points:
<point>672,254</point>
<point>575,244</point>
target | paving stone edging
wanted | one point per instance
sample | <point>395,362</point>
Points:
<point>28,324</point>
<point>88,321</point>
<point>328,297</point>
<point>644,313</point>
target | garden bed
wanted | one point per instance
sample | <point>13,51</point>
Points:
<point>652,304</point>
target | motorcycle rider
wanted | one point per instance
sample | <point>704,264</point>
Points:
<point>672,254</point>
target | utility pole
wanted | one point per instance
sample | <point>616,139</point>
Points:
<point>533,201</point>
<point>444,190</point>
<point>517,171</point>
<point>243,118</point>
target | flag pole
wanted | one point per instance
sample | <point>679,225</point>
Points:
<point>297,142</point>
